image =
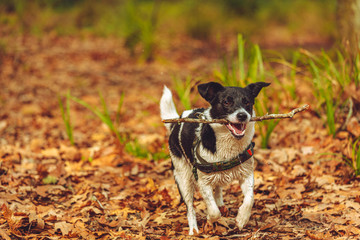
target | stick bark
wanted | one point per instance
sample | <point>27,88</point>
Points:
<point>224,121</point>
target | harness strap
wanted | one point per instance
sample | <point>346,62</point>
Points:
<point>207,167</point>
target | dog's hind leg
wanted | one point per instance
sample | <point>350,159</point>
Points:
<point>218,195</point>
<point>247,187</point>
<point>186,187</point>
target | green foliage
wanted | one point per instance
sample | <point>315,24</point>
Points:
<point>49,180</point>
<point>245,72</point>
<point>103,115</point>
<point>356,73</point>
<point>324,93</point>
<point>140,28</point>
<point>136,19</point>
<point>330,78</point>
<point>184,90</point>
<point>65,114</point>
<point>137,150</point>
<point>293,71</point>
<point>354,160</point>
<point>119,108</point>
<point>131,146</point>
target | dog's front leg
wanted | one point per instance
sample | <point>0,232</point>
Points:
<point>247,187</point>
<point>212,208</point>
<point>218,196</point>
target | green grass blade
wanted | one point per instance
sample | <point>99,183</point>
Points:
<point>293,72</point>
<point>104,117</point>
<point>253,67</point>
<point>241,62</point>
<point>104,106</point>
<point>119,107</point>
<point>356,73</point>
<point>65,114</point>
<point>260,62</point>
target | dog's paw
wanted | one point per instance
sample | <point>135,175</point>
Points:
<point>213,215</point>
<point>224,211</point>
<point>243,216</point>
<point>240,223</point>
<point>242,219</point>
<point>192,228</point>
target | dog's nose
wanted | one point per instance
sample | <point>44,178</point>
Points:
<point>241,116</point>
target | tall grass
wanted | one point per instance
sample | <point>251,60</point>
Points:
<point>249,70</point>
<point>140,27</point>
<point>354,159</point>
<point>330,79</point>
<point>131,146</point>
<point>65,114</point>
<point>103,115</point>
<point>183,89</point>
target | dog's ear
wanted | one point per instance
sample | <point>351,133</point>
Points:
<point>255,88</point>
<point>209,90</point>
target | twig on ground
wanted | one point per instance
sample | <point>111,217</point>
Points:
<point>224,121</point>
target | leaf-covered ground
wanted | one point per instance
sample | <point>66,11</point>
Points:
<point>96,190</point>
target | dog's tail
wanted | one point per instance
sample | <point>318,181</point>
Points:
<point>167,107</point>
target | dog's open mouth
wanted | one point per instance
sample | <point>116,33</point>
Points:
<point>237,129</point>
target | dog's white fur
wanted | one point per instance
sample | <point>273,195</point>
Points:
<point>210,184</point>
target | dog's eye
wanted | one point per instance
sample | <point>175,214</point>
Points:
<point>245,102</point>
<point>228,101</point>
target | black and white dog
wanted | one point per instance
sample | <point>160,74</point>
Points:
<point>212,155</point>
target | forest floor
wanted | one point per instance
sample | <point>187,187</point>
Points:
<point>95,190</point>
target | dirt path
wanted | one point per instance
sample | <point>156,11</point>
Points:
<point>52,190</point>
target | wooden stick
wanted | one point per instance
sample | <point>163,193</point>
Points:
<point>224,121</point>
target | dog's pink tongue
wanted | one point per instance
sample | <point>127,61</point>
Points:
<point>237,129</point>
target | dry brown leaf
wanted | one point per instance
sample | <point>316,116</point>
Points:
<point>354,127</point>
<point>293,191</point>
<point>314,217</point>
<point>64,227</point>
<point>51,153</point>
<point>298,170</point>
<point>39,222</point>
<point>4,234</point>
<point>324,180</point>
<point>13,222</point>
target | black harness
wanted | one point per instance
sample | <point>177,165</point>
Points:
<point>201,164</point>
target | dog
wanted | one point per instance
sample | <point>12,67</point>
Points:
<point>212,155</point>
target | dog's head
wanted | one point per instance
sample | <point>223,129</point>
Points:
<point>234,104</point>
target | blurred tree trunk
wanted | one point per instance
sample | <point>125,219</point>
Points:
<point>348,21</point>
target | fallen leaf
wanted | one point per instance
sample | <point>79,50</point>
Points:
<point>298,170</point>
<point>51,153</point>
<point>39,222</point>
<point>64,227</point>
<point>307,150</point>
<point>4,235</point>
<point>354,127</point>
<point>324,180</point>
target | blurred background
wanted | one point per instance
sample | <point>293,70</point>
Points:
<point>154,24</point>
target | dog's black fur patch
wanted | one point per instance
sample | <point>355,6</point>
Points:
<point>187,136</point>
<point>208,138</point>
<point>174,140</point>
